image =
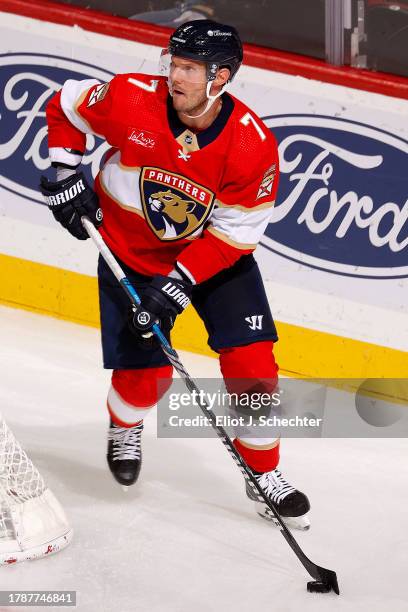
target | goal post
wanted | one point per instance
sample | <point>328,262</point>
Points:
<point>32,522</point>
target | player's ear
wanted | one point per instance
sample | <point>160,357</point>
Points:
<point>222,77</point>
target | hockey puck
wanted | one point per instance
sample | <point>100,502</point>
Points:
<point>318,587</point>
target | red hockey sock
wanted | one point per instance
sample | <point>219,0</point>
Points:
<point>259,459</point>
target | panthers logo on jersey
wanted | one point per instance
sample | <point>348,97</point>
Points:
<point>175,207</point>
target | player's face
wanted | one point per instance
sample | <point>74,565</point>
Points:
<point>188,84</point>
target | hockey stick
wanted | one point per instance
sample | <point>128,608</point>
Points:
<point>326,580</point>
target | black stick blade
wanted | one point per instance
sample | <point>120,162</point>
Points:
<point>329,578</point>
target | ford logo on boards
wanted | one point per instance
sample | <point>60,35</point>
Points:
<point>27,82</point>
<point>343,197</point>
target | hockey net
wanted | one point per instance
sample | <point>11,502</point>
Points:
<point>32,522</point>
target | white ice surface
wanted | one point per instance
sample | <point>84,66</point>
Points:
<point>186,537</point>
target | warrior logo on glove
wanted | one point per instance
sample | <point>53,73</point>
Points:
<point>62,197</point>
<point>71,199</point>
<point>178,296</point>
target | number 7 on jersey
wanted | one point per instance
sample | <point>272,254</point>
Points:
<point>247,119</point>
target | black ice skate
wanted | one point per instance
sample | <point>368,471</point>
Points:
<point>125,452</point>
<point>291,504</point>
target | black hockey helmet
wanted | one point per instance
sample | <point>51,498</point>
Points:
<point>204,40</point>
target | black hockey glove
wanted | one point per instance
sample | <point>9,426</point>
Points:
<point>69,200</point>
<point>163,299</point>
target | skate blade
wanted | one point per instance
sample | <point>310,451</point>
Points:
<point>124,488</point>
<point>302,523</point>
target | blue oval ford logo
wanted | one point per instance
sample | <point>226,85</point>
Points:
<point>342,205</point>
<point>28,80</point>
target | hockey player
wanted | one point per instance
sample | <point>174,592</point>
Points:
<point>182,199</point>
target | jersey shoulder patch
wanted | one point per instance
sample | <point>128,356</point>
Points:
<point>98,94</point>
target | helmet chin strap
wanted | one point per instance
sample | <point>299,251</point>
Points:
<point>210,99</point>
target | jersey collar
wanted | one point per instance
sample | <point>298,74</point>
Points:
<point>207,136</point>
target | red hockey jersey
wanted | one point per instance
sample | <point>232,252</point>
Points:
<point>169,195</point>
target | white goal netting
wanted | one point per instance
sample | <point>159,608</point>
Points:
<point>32,522</point>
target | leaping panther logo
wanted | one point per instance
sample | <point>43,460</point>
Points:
<point>178,208</point>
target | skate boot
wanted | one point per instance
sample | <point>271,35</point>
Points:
<point>125,452</point>
<point>291,504</point>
